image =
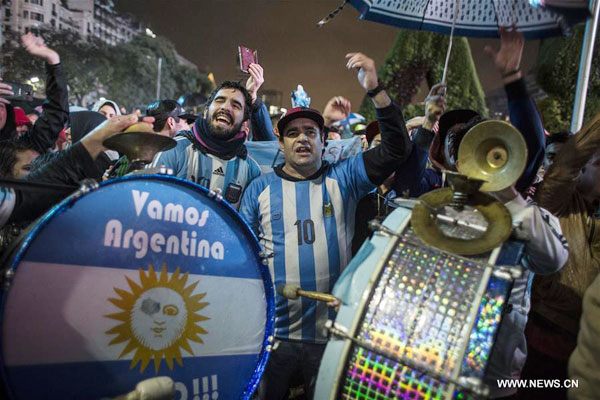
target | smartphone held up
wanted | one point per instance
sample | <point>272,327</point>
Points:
<point>21,91</point>
<point>247,57</point>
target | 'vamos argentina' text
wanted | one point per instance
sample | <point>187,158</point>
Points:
<point>186,243</point>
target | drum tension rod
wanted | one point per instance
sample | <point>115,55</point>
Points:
<point>85,186</point>
<point>375,225</point>
<point>470,384</point>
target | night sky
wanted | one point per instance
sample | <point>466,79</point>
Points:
<point>291,48</point>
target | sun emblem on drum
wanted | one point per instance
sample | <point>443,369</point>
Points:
<point>159,317</point>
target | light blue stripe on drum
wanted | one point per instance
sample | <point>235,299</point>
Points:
<point>350,287</point>
<point>109,379</point>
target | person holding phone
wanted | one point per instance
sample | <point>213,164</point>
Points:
<point>212,153</point>
<point>44,133</point>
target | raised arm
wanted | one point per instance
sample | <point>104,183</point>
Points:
<point>262,127</point>
<point>395,147</point>
<point>523,111</point>
<point>55,113</point>
<point>68,168</point>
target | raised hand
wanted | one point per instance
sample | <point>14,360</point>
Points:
<point>435,105</point>
<point>255,80</point>
<point>117,124</point>
<point>341,103</point>
<point>5,90</point>
<point>508,58</point>
<point>35,46</point>
<point>367,75</point>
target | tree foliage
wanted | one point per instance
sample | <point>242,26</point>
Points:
<point>416,56</point>
<point>125,73</point>
<point>135,69</point>
<point>556,73</point>
<point>85,63</point>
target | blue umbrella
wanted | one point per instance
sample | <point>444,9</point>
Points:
<point>474,18</point>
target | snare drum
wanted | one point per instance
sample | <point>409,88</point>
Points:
<point>145,276</point>
<point>415,323</point>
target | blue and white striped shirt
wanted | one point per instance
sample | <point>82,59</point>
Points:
<point>7,204</point>
<point>207,170</point>
<point>308,226</point>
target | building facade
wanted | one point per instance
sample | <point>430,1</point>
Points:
<point>89,18</point>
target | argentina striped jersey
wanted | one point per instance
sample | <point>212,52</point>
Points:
<point>307,226</point>
<point>208,170</point>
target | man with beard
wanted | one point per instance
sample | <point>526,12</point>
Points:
<point>304,212</point>
<point>213,152</point>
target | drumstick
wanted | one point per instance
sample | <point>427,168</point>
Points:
<point>159,388</point>
<point>293,292</point>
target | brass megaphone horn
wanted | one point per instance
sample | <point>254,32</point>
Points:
<point>493,151</point>
<point>139,143</point>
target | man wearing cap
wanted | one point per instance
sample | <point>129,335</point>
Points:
<point>169,117</point>
<point>303,213</point>
<point>212,153</point>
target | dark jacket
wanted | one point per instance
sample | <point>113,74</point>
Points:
<point>68,168</point>
<point>262,127</point>
<point>42,136</point>
<point>10,127</point>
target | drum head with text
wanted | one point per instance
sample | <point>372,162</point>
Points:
<point>143,277</point>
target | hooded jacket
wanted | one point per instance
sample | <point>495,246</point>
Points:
<point>100,103</point>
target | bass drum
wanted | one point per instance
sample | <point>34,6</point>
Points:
<point>145,276</point>
<point>415,322</point>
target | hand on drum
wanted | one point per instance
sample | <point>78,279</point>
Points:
<point>93,140</point>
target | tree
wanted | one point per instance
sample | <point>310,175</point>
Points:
<point>85,62</point>
<point>125,73</point>
<point>421,55</point>
<point>556,73</point>
<point>135,69</point>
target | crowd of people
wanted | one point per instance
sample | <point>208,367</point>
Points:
<point>311,215</point>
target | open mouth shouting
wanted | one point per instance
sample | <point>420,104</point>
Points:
<point>303,150</point>
<point>223,119</point>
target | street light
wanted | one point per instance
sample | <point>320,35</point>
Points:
<point>158,74</point>
<point>150,33</point>
<point>158,78</point>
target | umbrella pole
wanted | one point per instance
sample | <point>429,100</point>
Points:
<point>456,4</point>
<point>585,65</point>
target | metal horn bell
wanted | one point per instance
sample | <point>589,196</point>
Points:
<point>139,143</point>
<point>493,151</point>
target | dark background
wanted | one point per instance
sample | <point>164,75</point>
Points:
<point>291,48</point>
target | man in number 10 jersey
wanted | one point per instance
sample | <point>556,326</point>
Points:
<point>303,213</point>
